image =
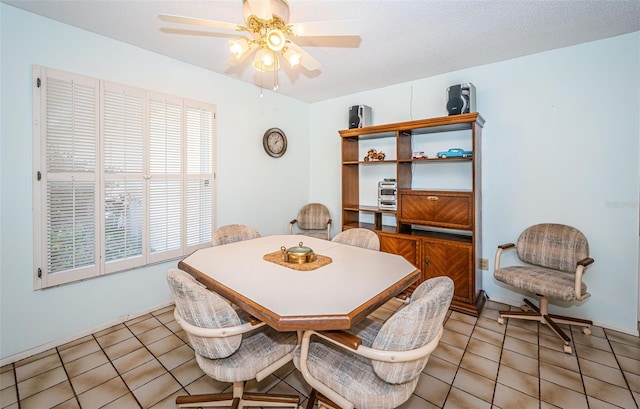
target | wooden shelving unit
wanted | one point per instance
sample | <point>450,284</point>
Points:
<point>437,229</point>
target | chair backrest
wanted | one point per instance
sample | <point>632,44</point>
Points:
<point>232,233</point>
<point>359,237</point>
<point>313,216</point>
<point>412,327</point>
<point>203,308</point>
<point>555,246</point>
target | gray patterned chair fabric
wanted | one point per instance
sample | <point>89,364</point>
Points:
<point>555,257</point>
<point>232,233</point>
<point>364,238</point>
<point>382,365</point>
<point>228,346</point>
<point>313,220</point>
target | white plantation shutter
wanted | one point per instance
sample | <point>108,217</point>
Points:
<point>165,171</point>
<point>123,156</point>
<point>124,177</point>
<point>67,166</point>
<point>199,198</point>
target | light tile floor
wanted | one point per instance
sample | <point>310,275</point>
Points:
<point>146,363</point>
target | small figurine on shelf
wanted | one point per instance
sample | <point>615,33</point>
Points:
<point>374,155</point>
<point>455,153</point>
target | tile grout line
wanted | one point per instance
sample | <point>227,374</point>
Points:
<point>64,368</point>
<point>115,369</point>
<point>156,358</point>
<point>615,356</point>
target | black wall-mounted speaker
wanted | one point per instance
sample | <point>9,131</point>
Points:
<point>461,99</point>
<point>359,116</point>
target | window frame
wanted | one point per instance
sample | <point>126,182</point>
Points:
<point>205,177</point>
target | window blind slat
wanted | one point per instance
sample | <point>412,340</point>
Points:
<point>165,218</point>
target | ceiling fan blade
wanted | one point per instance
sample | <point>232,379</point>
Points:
<point>327,28</point>
<point>199,22</point>
<point>306,60</point>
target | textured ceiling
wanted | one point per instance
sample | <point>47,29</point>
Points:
<point>400,40</point>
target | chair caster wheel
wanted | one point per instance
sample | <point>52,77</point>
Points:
<point>500,320</point>
<point>586,330</point>
<point>567,349</point>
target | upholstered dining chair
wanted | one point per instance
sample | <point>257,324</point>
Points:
<point>232,233</point>
<point>555,257</point>
<point>313,220</point>
<point>376,365</point>
<point>359,237</point>
<point>228,345</point>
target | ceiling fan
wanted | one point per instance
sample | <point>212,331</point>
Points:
<point>267,23</point>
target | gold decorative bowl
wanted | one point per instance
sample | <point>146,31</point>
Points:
<point>298,255</point>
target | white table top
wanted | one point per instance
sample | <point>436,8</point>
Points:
<point>334,296</point>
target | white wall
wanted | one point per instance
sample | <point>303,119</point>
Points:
<point>560,144</point>
<point>249,183</point>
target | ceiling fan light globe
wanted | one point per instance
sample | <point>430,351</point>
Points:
<point>275,40</point>
<point>239,47</point>
<point>265,60</point>
<point>292,57</point>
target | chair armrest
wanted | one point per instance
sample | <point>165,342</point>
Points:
<point>346,341</point>
<point>343,338</point>
<point>291,223</point>
<point>502,248</point>
<point>586,261</point>
<point>580,267</point>
<point>215,332</point>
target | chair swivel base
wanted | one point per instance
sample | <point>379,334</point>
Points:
<point>551,320</point>
<point>323,401</point>
<point>234,401</point>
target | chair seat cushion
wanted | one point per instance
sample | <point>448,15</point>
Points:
<point>258,350</point>
<point>353,377</point>
<point>554,284</point>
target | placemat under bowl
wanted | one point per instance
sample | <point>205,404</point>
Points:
<point>276,257</point>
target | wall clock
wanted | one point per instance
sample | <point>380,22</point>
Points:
<point>274,142</point>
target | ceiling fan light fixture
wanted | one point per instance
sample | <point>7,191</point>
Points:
<point>265,60</point>
<point>239,47</point>
<point>291,56</point>
<point>275,40</point>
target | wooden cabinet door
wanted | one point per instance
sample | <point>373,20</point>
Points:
<point>452,259</point>
<point>407,247</point>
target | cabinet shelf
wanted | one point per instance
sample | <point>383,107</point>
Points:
<point>416,231</point>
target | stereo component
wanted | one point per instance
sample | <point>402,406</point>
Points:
<point>461,99</point>
<point>388,194</point>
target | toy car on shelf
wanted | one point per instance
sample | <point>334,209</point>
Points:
<point>419,155</point>
<point>374,155</point>
<point>455,153</point>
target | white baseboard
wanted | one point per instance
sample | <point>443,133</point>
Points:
<point>630,331</point>
<point>53,344</point>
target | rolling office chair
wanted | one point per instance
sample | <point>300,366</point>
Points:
<point>376,365</point>
<point>313,220</point>
<point>229,347</point>
<point>364,238</point>
<point>232,233</point>
<point>556,257</point>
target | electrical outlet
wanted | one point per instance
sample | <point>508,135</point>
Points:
<point>484,264</point>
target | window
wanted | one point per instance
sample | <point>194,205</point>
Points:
<point>124,177</point>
